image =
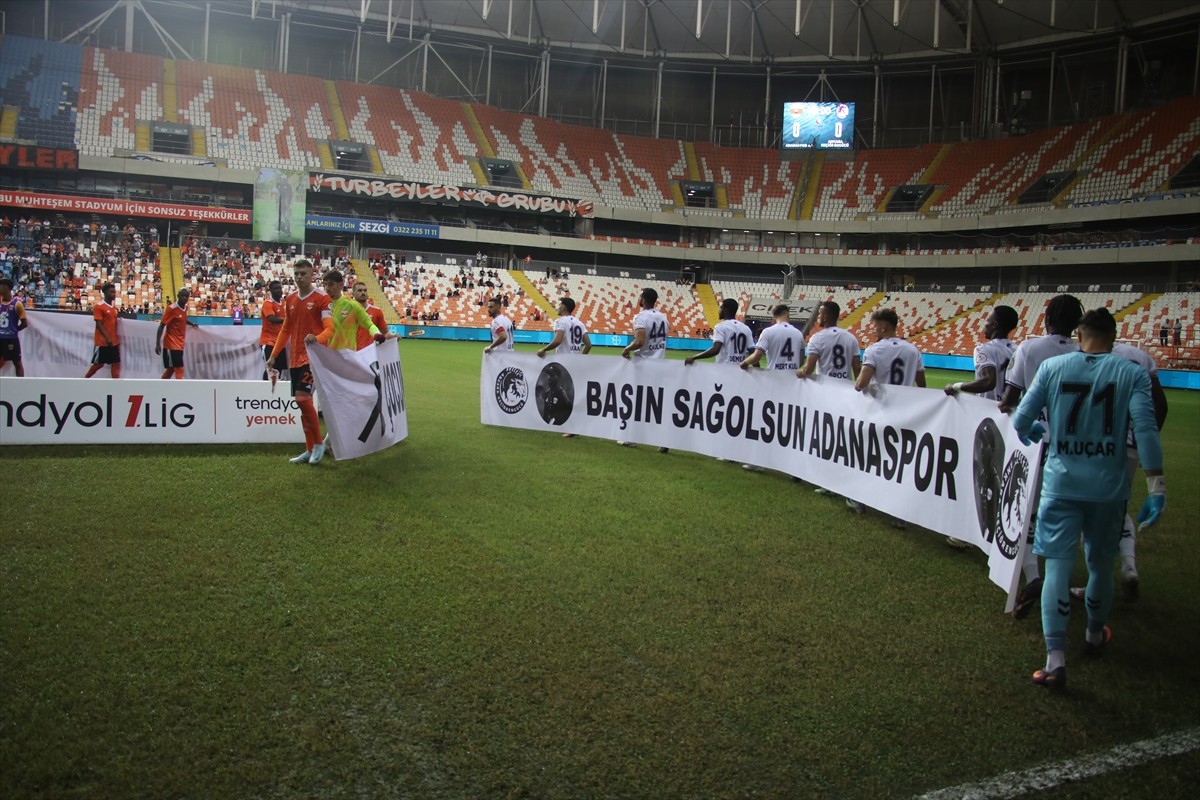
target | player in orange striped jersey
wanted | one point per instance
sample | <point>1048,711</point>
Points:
<point>359,292</point>
<point>272,321</point>
<point>174,321</point>
<point>305,311</point>
<point>107,347</point>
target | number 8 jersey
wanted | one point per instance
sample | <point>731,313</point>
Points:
<point>835,349</point>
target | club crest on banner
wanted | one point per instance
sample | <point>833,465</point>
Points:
<point>555,394</point>
<point>1015,488</point>
<point>511,390</point>
<point>988,467</point>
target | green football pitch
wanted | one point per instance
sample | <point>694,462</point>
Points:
<point>492,613</point>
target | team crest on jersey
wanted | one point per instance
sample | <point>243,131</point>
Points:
<point>1014,491</point>
<point>555,394</point>
<point>511,390</point>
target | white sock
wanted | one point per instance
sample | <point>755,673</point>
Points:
<point>1055,659</point>
<point>1030,568</point>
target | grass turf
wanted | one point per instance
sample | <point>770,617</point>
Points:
<point>483,612</point>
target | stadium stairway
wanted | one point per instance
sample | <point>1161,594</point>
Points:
<point>854,317</point>
<point>1143,303</point>
<point>171,270</point>
<point>170,91</point>
<point>8,122</point>
<point>481,139</point>
<point>362,272</point>
<point>708,301</point>
<point>533,294</point>
<point>1060,197</point>
<point>339,119</point>
<point>966,312</point>
<point>199,142</point>
<point>693,163</point>
<point>806,189</point>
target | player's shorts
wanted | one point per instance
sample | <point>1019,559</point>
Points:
<point>10,349</point>
<point>302,379</point>
<point>172,359</point>
<point>281,362</point>
<point>1061,522</point>
<point>106,354</point>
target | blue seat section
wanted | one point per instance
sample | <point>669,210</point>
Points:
<point>42,79</point>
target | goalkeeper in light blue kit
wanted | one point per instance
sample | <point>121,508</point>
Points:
<point>1089,397</point>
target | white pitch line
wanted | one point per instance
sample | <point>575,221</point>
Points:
<point>1015,784</point>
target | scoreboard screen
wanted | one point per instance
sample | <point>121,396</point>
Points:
<point>818,126</point>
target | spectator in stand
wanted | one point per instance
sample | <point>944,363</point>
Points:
<point>174,321</point>
<point>1178,331</point>
<point>1164,332</point>
<point>106,346</point>
<point>12,322</point>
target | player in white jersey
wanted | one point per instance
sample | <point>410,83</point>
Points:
<point>1062,317</point>
<point>783,343</point>
<point>649,336</point>
<point>832,351</point>
<point>649,329</point>
<point>890,360</point>
<point>992,357</point>
<point>730,338</point>
<point>502,328</point>
<point>570,335</point>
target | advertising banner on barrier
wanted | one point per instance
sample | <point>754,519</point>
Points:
<point>952,465</point>
<point>132,208</point>
<point>90,411</point>
<point>57,345</point>
<point>362,395</point>
<point>421,230</point>
<point>22,156</point>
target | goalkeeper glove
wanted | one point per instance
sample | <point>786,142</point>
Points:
<point>1035,434</point>
<point>1155,502</point>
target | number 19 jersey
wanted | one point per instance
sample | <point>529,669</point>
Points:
<point>573,333</point>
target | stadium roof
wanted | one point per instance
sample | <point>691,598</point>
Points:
<point>748,31</point>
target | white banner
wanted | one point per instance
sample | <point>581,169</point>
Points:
<point>57,345</point>
<point>362,395</point>
<point>90,411</point>
<point>952,465</point>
